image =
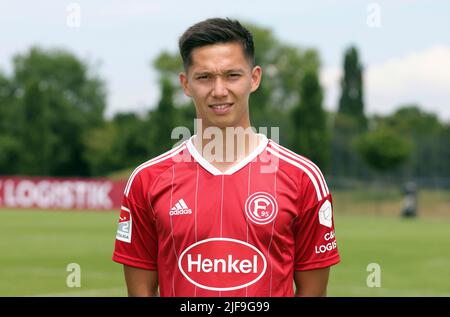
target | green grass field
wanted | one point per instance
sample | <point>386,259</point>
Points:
<point>37,246</point>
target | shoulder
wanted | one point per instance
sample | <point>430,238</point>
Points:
<point>144,175</point>
<point>303,171</point>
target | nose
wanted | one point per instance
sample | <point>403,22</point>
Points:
<point>219,88</point>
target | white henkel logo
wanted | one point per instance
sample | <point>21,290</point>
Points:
<point>222,264</point>
<point>261,208</point>
<point>326,214</point>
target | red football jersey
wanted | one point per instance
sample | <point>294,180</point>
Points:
<point>242,232</point>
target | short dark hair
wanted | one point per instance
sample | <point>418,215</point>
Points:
<point>212,31</point>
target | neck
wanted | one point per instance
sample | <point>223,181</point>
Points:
<point>224,147</point>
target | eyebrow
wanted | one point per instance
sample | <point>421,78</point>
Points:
<point>236,70</point>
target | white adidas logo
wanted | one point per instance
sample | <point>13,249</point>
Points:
<point>180,208</point>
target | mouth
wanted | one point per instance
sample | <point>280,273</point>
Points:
<point>221,108</point>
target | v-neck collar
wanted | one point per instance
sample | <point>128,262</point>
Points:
<point>214,170</point>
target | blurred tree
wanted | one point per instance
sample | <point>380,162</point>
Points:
<point>6,104</point>
<point>116,145</point>
<point>349,121</point>
<point>383,149</point>
<point>132,139</point>
<point>345,161</point>
<point>128,140</point>
<point>10,145</point>
<point>284,66</point>
<point>168,65</point>
<point>351,101</point>
<point>443,164</point>
<point>57,100</point>
<point>36,134</point>
<point>99,149</point>
<point>426,132</point>
<point>309,118</point>
<point>410,119</point>
<point>163,120</point>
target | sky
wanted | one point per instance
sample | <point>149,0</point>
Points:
<point>404,46</point>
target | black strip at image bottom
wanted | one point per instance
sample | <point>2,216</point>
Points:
<point>219,306</point>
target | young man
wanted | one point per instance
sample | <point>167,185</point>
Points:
<point>247,218</point>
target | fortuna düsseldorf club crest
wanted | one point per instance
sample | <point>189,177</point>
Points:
<point>261,208</point>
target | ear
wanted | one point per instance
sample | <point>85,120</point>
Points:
<point>256,77</point>
<point>184,84</point>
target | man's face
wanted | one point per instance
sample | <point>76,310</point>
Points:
<point>220,81</point>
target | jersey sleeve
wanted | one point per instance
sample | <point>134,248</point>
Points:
<point>315,241</point>
<point>136,239</point>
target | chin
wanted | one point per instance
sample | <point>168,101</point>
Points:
<point>219,121</point>
<point>223,124</point>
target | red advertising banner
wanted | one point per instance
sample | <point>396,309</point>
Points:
<point>60,193</point>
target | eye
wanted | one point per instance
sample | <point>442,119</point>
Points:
<point>234,75</point>
<point>202,77</point>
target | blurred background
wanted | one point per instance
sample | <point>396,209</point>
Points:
<point>89,90</point>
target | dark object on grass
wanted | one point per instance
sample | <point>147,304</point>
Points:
<point>410,200</point>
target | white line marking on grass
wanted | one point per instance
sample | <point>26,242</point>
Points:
<point>91,292</point>
<point>356,291</point>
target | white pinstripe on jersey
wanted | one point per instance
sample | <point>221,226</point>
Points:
<point>313,167</point>
<point>299,165</point>
<point>171,228</point>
